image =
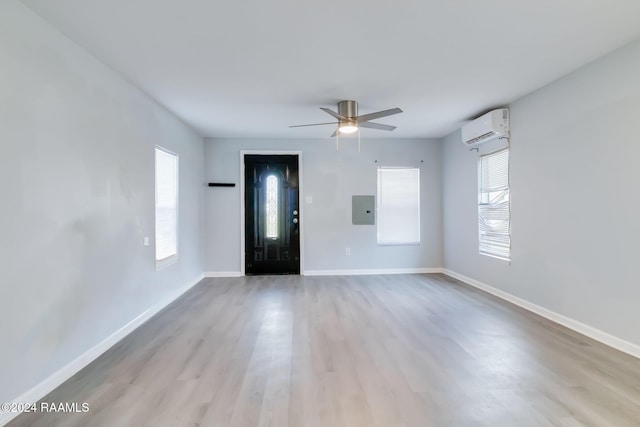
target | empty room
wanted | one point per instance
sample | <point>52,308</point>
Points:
<point>356,213</point>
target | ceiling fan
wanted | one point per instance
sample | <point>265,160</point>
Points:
<point>349,121</point>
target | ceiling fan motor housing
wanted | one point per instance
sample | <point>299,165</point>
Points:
<point>348,109</point>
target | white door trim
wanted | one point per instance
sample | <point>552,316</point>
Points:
<point>297,153</point>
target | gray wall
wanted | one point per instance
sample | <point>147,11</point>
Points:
<point>575,178</point>
<point>77,194</point>
<point>330,178</point>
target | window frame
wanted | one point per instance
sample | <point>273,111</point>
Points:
<point>166,261</point>
<point>484,200</point>
<point>381,236</point>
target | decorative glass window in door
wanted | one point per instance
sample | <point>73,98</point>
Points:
<point>272,207</point>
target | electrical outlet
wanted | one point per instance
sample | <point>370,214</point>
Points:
<point>347,251</point>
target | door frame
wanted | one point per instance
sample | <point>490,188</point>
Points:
<point>298,154</point>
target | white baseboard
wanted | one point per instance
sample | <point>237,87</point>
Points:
<point>70,369</point>
<point>589,331</point>
<point>338,272</point>
<point>371,271</point>
<point>223,274</point>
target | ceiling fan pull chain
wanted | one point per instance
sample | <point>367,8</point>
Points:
<point>358,140</point>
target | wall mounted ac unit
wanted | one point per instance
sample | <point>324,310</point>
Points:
<point>494,124</point>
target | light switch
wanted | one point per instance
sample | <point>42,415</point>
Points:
<point>145,241</point>
<point>308,199</point>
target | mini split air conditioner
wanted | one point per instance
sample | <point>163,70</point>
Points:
<point>494,124</point>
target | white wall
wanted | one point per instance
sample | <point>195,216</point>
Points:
<point>330,178</point>
<point>77,195</point>
<point>575,187</point>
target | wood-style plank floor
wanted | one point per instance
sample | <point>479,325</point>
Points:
<point>414,350</point>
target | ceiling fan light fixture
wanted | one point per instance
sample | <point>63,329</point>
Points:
<point>348,127</point>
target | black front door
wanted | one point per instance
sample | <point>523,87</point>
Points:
<point>272,239</point>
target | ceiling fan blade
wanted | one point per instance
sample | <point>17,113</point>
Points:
<point>375,126</point>
<point>314,124</point>
<point>333,113</point>
<point>377,115</point>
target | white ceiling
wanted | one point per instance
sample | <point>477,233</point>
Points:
<point>250,68</point>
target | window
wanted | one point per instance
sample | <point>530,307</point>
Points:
<point>272,207</point>
<point>166,204</point>
<point>493,205</point>
<point>398,206</point>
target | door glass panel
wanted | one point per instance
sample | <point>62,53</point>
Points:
<point>272,207</point>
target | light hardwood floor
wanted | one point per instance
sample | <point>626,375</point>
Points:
<point>414,350</point>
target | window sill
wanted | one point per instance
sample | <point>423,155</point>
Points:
<point>398,243</point>
<point>161,264</point>
<point>495,256</point>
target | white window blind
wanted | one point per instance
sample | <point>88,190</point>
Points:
<point>166,204</point>
<point>493,205</point>
<point>398,206</point>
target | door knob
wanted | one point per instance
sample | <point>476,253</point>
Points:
<point>295,220</point>
<point>295,212</point>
